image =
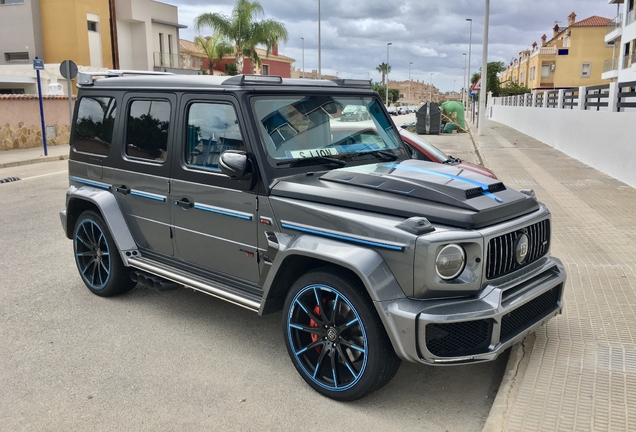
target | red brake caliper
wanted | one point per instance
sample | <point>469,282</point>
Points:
<point>312,323</point>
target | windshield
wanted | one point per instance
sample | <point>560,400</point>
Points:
<point>321,126</point>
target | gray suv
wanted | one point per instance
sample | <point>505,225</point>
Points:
<point>252,189</point>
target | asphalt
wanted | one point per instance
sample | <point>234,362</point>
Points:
<point>578,372</point>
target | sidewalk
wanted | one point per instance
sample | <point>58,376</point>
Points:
<point>580,372</point>
<point>11,158</point>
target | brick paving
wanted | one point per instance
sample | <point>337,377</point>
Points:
<point>581,370</point>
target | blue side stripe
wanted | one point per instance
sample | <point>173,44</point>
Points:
<point>223,212</point>
<point>147,195</point>
<point>341,237</point>
<point>90,183</point>
<point>483,186</point>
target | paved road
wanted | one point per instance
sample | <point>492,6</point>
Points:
<point>178,360</point>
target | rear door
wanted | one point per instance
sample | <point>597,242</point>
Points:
<point>141,178</point>
<point>214,218</point>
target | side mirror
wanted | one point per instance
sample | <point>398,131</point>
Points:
<point>235,165</point>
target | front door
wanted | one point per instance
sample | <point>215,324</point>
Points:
<point>214,221</point>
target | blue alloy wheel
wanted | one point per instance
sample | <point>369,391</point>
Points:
<point>97,257</point>
<point>327,337</point>
<point>334,335</point>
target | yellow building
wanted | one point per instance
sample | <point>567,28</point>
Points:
<point>573,57</point>
<point>77,30</point>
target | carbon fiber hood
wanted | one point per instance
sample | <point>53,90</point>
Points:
<point>443,194</point>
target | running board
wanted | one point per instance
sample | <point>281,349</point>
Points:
<point>218,290</point>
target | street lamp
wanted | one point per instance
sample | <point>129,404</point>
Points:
<point>410,63</point>
<point>454,86</point>
<point>470,47</point>
<point>387,73</point>
<point>484,73</point>
<point>464,93</point>
<point>303,71</point>
<point>319,65</point>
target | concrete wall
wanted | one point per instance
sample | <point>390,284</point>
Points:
<point>20,124</point>
<point>602,140</point>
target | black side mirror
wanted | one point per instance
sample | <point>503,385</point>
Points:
<point>235,164</point>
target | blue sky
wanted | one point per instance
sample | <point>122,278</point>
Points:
<point>431,34</point>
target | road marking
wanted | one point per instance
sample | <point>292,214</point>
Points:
<point>45,175</point>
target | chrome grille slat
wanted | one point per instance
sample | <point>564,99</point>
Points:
<point>501,249</point>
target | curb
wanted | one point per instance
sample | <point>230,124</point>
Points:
<point>33,161</point>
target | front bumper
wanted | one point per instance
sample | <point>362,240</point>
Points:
<point>457,331</point>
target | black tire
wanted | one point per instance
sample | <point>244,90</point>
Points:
<point>97,257</point>
<point>334,336</point>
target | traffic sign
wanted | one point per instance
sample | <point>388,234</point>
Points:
<point>477,86</point>
<point>38,64</point>
<point>68,69</point>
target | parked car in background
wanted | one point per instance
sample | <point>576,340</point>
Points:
<point>424,150</point>
<point>392,110</point>
<point>354,113</point>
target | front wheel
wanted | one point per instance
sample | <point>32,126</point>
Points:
<point>334,336</point>
<point>97,257</point>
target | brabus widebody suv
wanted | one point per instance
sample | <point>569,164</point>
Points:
<point>247,188</point>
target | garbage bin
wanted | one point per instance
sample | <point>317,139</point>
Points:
<point>429,119</point>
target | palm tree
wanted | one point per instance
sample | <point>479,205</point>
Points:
<point>384,69</point>
<point>243,30</point>
<point>214,47</point>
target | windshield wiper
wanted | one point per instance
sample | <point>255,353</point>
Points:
<point>387,155</point>
<point>452,161</point>
<point>324,159</point>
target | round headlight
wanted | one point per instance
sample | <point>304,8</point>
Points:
<point>450,262</point>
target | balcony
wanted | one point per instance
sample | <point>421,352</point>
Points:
<point>631,16</point>
<point>628,61</point>
<point>614,29</point>
<point>610,68</point>
<point>167,60</point>
<point>544,51</point>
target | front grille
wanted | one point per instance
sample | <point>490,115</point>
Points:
<point>459,339</point>
<point>501,250</point>
<point>529,313</point>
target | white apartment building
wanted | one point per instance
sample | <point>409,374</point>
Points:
<point>621,34</point>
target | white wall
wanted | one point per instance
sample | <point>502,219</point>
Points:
<point>603,140</point>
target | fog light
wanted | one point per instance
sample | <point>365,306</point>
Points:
<point>450,262</point>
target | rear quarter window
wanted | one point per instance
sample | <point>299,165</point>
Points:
<point>94,125</point>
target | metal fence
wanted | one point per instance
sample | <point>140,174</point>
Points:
<point>596,97</point>
<point>553,99</point>
<point>571,98</point>
<point>627,96</point>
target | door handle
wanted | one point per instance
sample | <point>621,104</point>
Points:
<point>184,203</point>
<point>123,189</point>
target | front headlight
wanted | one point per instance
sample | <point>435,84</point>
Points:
<point>450,262</point>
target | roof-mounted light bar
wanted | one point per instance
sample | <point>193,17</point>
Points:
<point>87,78</point>
<point>253,79</point>
<point>359,83</point>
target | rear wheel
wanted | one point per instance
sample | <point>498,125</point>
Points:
<point>335,337</point>
<point>97,257</point>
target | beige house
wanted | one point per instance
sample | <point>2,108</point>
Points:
<point>573,57</point>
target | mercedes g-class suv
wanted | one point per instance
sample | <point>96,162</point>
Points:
<point>249,188</point>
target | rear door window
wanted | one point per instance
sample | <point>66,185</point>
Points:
<point>147,130</point>
<point>94,125</point>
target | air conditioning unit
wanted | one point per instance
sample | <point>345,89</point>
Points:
<point>552,67</point>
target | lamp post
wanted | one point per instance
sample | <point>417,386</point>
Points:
<point>484,72</point>
<point>319,64</point>
<point>387,74</point>
<point>410,63</point>
<point>454,86</point>
<point>431,87</point>
<point>303,71</point>
<point>470,48</point>
<point>464,93</point>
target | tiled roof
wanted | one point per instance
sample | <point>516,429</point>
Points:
<point>593,21</point>
<point>32,96</point>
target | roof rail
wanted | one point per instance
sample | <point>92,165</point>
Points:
<point>87,78</point>
<point>253,79</point>
<point>347,82</point>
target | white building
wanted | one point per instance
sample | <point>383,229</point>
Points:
<point>621,32</point>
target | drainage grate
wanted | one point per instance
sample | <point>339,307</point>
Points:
<point>9,179</point>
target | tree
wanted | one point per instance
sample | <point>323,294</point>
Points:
<point>394,94</point>
<point>492,80</point>
<point>384,69</point>
<point>243,30</point>
<point>511,88</point>
<point>214,47</point>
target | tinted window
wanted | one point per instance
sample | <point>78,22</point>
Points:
<point>94,126</point>
<point>147,129</point>
<point>212,129</point>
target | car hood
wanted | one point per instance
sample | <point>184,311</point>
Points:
<point>444,194</point>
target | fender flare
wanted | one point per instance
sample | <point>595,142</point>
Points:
<point>107,206</point>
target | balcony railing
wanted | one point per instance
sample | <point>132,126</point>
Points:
<point>162,59</point>
<point>610,65</point>
<point>615,23</point>
<point>631,16</point>
<point>627,61</point>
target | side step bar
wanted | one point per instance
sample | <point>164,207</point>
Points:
<point>221,291</point>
